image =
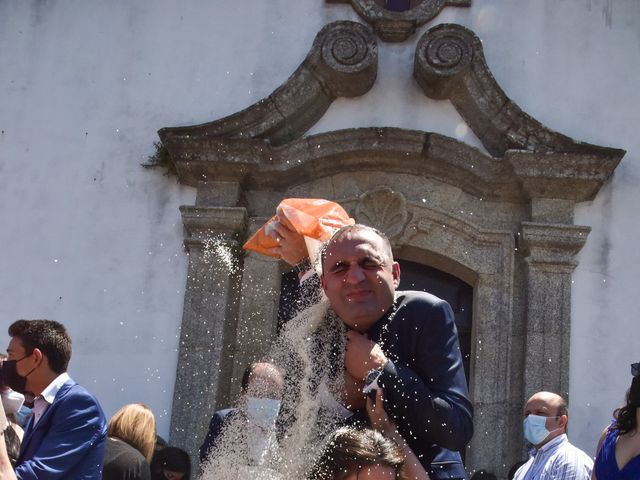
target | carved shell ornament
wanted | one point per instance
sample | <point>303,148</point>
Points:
<point>384,209</point>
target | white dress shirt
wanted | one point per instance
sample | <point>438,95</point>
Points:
<point>556,460</point>
<point>42,401</point>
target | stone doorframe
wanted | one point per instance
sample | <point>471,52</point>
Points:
<point>502,222</point>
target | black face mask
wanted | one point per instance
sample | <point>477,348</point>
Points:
<point>12,378</point>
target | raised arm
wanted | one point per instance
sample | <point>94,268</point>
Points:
<point>381,422</point>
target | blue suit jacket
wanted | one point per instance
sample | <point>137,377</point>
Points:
<point>215,428</point>
<point>424,384</point>
<point>68,440</point>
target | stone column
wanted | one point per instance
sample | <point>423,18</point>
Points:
<point>550,250</point>
<point>258,314</point>
<point>208,321</point>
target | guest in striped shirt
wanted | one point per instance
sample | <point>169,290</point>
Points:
<point>552,456</point>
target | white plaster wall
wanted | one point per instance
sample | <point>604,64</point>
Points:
<point>95,241</point>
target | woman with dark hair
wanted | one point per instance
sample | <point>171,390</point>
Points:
<point>618,455</point>
<point>170,463</point>
<point>129,447</point>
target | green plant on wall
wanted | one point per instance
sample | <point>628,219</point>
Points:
<point>161,158</point>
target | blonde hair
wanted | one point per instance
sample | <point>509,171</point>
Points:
<point>135,424</point>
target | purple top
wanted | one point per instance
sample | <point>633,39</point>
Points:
<point>606,467</point>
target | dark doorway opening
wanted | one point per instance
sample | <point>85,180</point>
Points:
<point>415,276</point>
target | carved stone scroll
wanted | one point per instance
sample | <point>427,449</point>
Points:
<point>450,64</point>
<point>342,62</point>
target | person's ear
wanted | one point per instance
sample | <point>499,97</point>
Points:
<point>395,272</point>
<point>38,355</point>
<point>563,421</point>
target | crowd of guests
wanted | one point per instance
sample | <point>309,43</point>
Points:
<point>56,429</point>
<point>402,371</point>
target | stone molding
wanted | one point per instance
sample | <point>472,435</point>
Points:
<point>517,177</point>
<point>343,62</point>
<point>399,26</point>
<point>450,64</point>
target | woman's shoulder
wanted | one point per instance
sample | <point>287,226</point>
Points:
<point>119,451</point>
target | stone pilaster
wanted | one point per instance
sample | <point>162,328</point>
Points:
<point>208,321</point>
<point>258,315</point>
<point>550,251</point>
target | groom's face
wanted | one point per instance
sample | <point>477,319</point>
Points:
<point>359,277</point>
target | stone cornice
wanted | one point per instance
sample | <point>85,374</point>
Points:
<point>517,177</point>
<point>569,176</point>
<point>398,26</point>
<point>342,62</point>
<point>256,164</point>
<point>450,64</point>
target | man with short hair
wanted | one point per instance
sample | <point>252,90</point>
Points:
<point>552,456</point>
<point>65,438</point>
<point>404,342</point>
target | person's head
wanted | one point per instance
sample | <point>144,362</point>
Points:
<point>627,415</point>
<point>41,350</point>
<point>171,463</point>
<point>545,418</point>
<point>262,386</point>
<point>135,424</point>
<point>364,454</point>
<point>359,275</point>
<point>262,380</point>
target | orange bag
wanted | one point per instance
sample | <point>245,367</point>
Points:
<point>314,218</point>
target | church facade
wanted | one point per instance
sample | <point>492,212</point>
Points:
<point>491,142</point>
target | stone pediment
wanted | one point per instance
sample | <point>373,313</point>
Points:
<point>263,144</point>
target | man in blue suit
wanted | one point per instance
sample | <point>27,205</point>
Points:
<point>65,438</point>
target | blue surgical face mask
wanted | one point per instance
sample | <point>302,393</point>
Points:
<point>535,429</point>
<point>263,411</point>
